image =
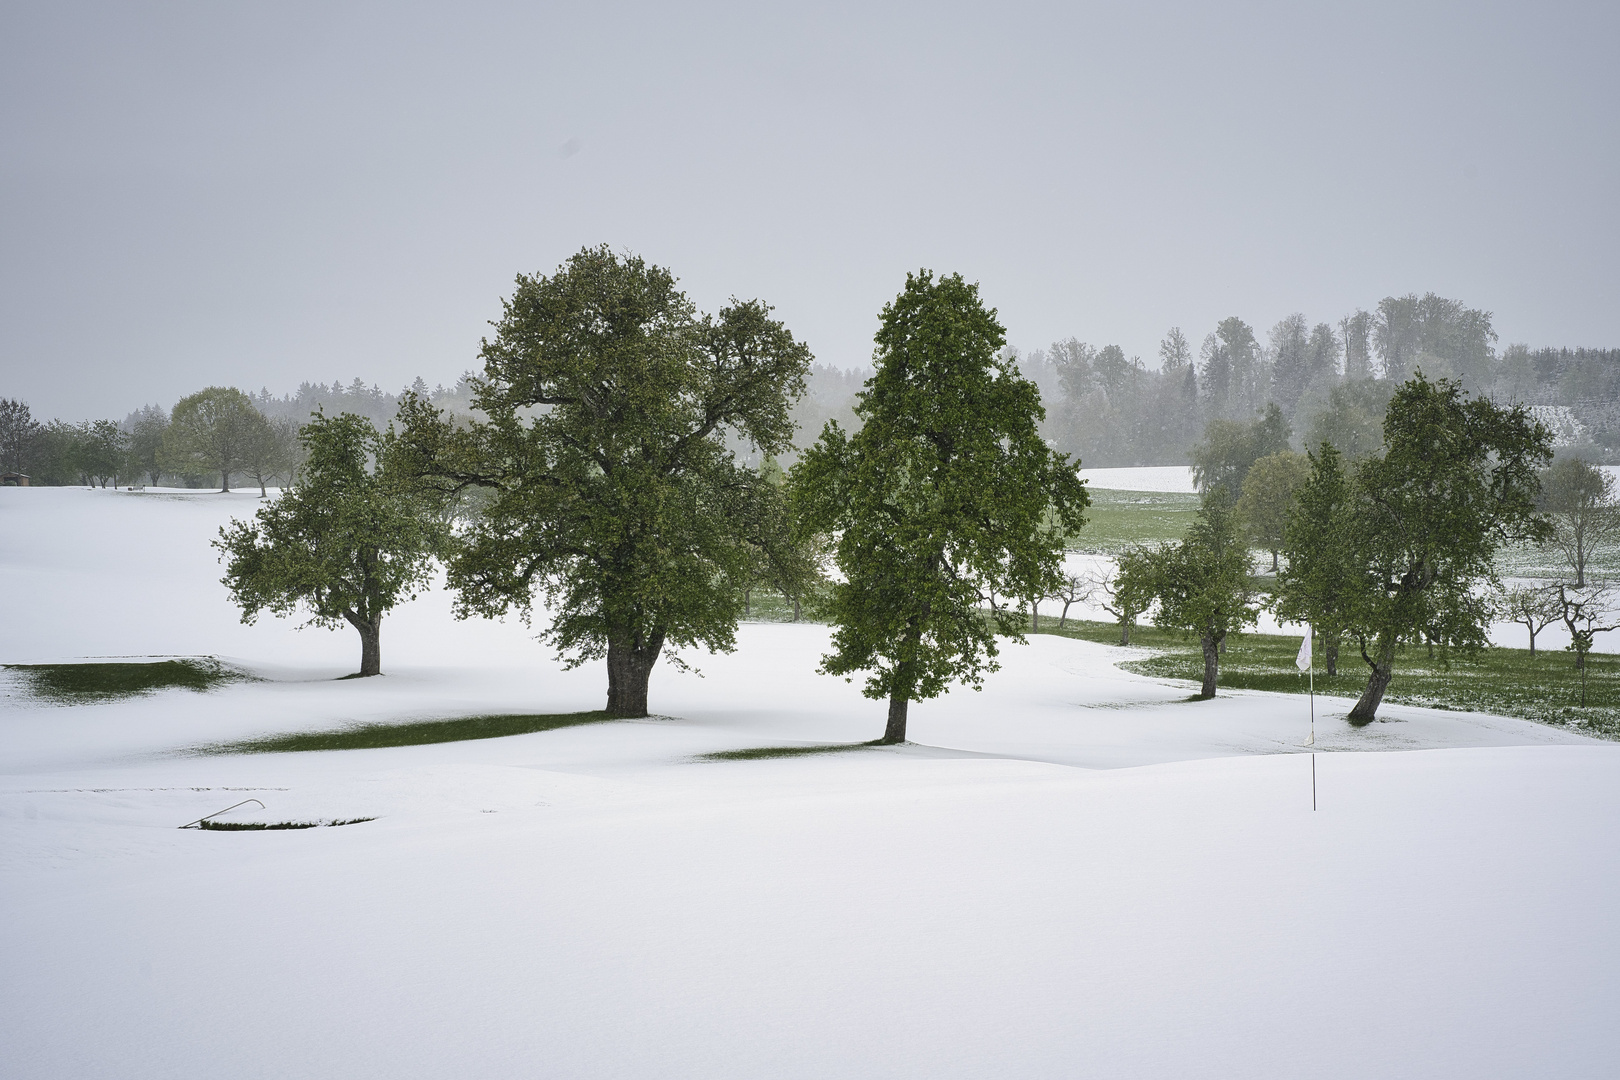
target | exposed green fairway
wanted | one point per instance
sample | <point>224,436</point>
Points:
<point>1506,682</point>
<point>1119,519</point>
<point>93,681</point>
<point>417,733</point>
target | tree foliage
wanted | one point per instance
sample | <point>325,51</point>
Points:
<point>1457,479</point>
<point>210,432</point>
<point>1230,448</point>
<point>609,486</point>
<point>1204,584</point>
<point>349,543</point>
<point>1579,502</point>
<point>1268,498</point>
<point>945,499</point>
<point>1321,580</point>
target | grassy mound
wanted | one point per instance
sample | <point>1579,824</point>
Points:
<point>256,826</point>
<point>98,681</point>
<point>417,733</point>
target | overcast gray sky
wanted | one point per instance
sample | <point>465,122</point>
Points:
<point>195,194</point>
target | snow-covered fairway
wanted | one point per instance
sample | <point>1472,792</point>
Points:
<point>1075,874</point>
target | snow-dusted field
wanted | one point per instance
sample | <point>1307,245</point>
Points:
<point>1142,478</point>
<point>1075,873</point>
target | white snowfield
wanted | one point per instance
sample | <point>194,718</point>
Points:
<point>1075,873</point>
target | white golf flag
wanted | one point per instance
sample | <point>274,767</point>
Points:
<point>1303,660</point>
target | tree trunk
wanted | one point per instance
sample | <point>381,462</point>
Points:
<point>630,663</point>
<point>895,732</point>
<point>748,610</point>
<point>1034,618</point>
<point>795,609</point>
<point>1532,640</point>
<point>1383,669</point>
<point>1064,618</point>
<point>1212,664</point>
<point>1330,652</point>
<point>370,631</point>
<point>224,482</point>
<point>1125,630</point>
<point>900,690</point>
<point>1274,566</point>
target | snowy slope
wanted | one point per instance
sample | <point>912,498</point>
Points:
<point>1076,873</point>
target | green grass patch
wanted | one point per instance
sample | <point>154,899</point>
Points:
<point>1119,519</point>
<point>99,681</point>
<point>760,753</point>
<point>416,733</point>
<point>260,826</point>
<point>767,605</point>
<point>1503,682</point>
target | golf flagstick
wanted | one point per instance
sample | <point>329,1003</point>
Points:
<point>1304,661</point>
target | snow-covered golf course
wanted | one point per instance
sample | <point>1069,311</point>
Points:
<point>1075,873</point>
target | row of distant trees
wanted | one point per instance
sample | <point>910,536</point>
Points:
<point>216,435</point>
<point>1110,409</point>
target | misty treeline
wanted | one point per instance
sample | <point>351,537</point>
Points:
<point>1329,381</point>
<point>218,436</point>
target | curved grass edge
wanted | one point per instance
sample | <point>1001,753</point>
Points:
<point>100,680</point>
<point>760,753</point>
<point>413,733</point>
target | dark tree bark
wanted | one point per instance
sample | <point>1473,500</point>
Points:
<point>905,682</point>
<point>630,662</point>
<point>1034,618</point>
<point>1125,630</point>
<point>1383,669</point>
<point>895,732</point>
<point>370,631</point>
<point>1212,663</point>
<point>1330,652</point>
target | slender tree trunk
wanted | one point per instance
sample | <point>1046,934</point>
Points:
<point>370,631</point>
<point>630,662</point>
<point>1274,566</point>
<point>1034,618</point>
<point>1383,669</point>
<point>795,609</point>
<point>901,689</point>
<point>1532,630</point>
<point>748,609</point>
<point>224,481</point>
<point>1063,619</point>
<point>1125,630</point>
<point>1212,663</point>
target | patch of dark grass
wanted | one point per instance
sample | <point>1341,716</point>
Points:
<point>416,733</point>
<point>97,681</point>
<point>1504,682</point>
<point>760,753</point>
<point>257,826</point>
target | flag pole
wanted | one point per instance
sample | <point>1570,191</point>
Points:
<point>1313,726</point>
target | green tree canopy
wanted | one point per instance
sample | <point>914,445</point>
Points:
<point>1204,583</point>
<point>1457,479</point>
<point>1578,500</point>
<point>944,500</point>
<point>210,431</point>
<point>350,542</point>
<point>1321,580</point>
<point>1230,448</point>
<point>1268,498</point>
<point>609,485</point>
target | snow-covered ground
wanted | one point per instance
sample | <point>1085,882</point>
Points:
<point>1074,873</point>
<point>1142,478</point>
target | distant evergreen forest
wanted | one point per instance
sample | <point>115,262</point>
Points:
<point>1331,382</point>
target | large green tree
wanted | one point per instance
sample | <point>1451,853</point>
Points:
<point>1268,498</point>
<point>1321,580</point>
<point>1204,583</point>
<point>946,499</point>
<point>1457,479</point>
<point>349,543</point>
<point>210,432</point>
<point>609,486</point>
